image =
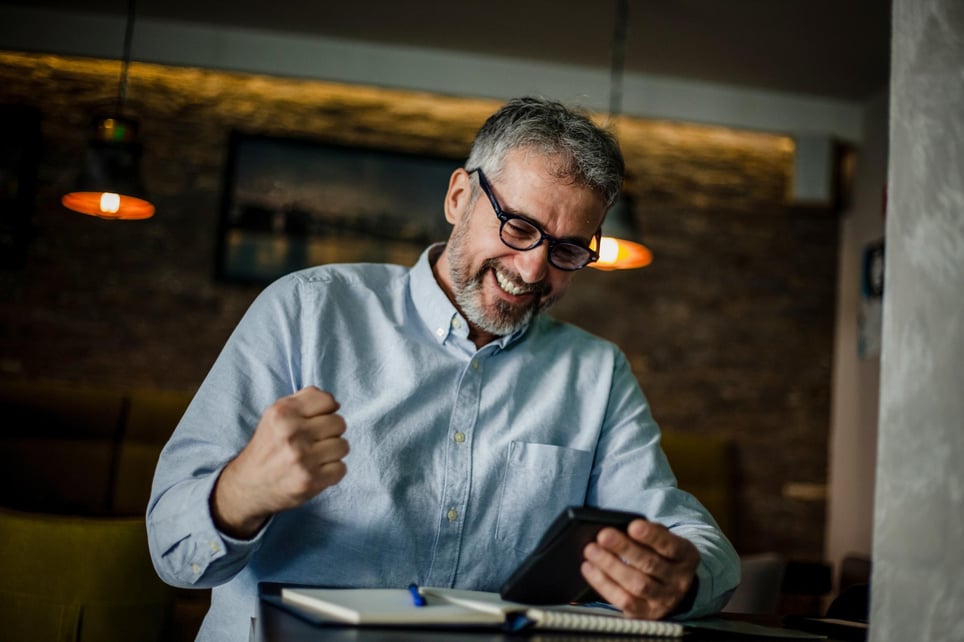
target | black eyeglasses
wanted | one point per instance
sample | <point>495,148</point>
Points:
<point>520,233</point>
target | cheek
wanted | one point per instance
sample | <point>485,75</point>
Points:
<point>559,281</point>
<point>480,239</point>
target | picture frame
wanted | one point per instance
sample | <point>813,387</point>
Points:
<point>291,203</point>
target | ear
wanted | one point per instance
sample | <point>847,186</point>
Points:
<point>457,196</point>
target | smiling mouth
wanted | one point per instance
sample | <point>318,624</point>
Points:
<point>509,286</point>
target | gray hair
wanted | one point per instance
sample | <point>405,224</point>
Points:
<point>584,152</point>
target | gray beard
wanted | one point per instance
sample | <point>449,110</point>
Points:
<point>501,319</point>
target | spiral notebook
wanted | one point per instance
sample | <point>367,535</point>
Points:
<point>455,607</point>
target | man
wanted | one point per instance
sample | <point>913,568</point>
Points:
<point>473,420</point>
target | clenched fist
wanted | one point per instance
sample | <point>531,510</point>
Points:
<point>296,452</point>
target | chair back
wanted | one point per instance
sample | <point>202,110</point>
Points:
<point>760,586</point>
<point>79,579</point>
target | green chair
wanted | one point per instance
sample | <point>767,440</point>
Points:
<point>79,579</point>
<point>705,466</point>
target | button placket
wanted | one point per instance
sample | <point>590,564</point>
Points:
<point>458,469</point>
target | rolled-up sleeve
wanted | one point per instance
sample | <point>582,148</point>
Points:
<point>187,548</point>
<point>253,370</point>
<point>634,474</point>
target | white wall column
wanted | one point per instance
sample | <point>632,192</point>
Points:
<point>917,589</point>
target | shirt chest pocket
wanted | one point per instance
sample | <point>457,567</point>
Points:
<point>540,480</point>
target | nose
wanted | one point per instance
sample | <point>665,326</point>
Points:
<point>533,264</point>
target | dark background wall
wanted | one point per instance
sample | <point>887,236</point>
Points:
<point>729,331</point>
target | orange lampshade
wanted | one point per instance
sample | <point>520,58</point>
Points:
<point>108,205</point>
<point>110,185</point>
<point>620,248</point>
<point>621,254</point>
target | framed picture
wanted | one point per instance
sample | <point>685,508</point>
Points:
<point>291,203</point>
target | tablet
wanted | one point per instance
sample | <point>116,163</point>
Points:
<point>550,574</point>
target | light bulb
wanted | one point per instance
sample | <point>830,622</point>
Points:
<point>608,250</point>
<point>109,203</point>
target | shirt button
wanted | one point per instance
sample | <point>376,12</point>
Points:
<point>440,332</point>
<point>452,514</point>
<point>214,547</point>
<point>456,323</point>
<point>195,568</point>
<point>459,437</point>
<point>475,364</point>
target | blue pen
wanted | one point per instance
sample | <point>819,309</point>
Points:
<point>417,598</point>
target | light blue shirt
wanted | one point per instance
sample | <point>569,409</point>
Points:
<point>460,457</point>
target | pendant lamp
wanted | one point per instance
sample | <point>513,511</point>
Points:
<point>619,248</point>
<point>110,184</point>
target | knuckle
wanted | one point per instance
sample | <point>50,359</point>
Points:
<point>651,566</point>
<point>344,447</point>
<point>289,403</point>
<point>275,412</point>
<point>334,472</point>
<point>281,412</point>
<point>320,395</point>
<point>638,584</point>
<point>302,484</point>
<point>337,424</point>
<point>625,602</point>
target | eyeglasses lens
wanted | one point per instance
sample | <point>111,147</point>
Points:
<point>519,234</point>
<point>570,257</point>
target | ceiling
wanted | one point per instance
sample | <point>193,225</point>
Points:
<point>829,48</point>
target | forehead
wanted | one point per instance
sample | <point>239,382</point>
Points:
<point>534,185</point>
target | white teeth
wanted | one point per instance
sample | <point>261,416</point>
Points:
<point>508,285</point>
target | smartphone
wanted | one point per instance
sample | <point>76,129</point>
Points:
<point>550,574</point>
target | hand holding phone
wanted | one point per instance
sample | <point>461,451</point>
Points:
<point>550,574</point>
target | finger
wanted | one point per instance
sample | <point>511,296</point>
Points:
<point>634,554</point>
<point>625,572</point>
<point>659,538</point>
<point>674,567</point>
<point>329,450</point>
<point>612,592</point>
<point>638,594</point>
<point>312,401</point>
<point>332,473</point>
<point>321,427</point>
<point>640,570</point>
<point>318,469</point>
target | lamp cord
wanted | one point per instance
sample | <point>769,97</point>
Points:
<point>128,36</point>
<point>620,28</point>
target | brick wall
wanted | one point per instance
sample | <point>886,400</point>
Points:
<point>729,331</point>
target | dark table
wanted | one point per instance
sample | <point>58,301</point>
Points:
<point>277,624</point>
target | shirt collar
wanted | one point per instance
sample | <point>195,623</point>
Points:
<point>435,309</point>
